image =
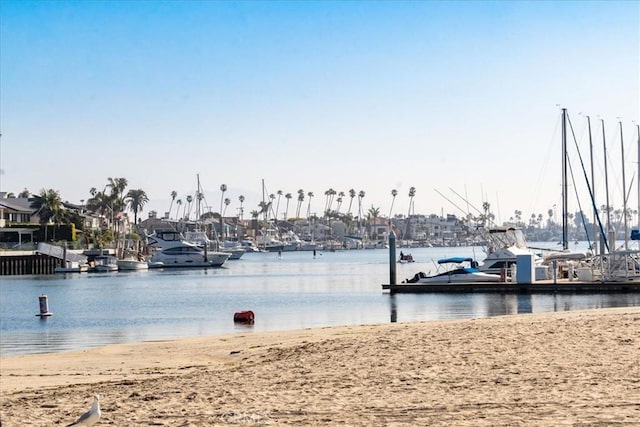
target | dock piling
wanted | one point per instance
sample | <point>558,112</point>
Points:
<point>392,258</point>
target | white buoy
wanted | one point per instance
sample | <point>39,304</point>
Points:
<point>44,306</point>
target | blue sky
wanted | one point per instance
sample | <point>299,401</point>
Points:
<point>372,96</point>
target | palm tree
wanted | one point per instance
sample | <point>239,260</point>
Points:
<point>300,200</point>
<point>136,199</point>
<point>310,194</point>
<point>352,194</point>
<point>394,193</point>
<point>227,202</point>
<point>223,189</point>
<point>326,201</point>
<point>361,195</point>
<point>178,204</point>
<point>264,209</point>
<point>272,197</point>
<point>187,215</point>
<point>241,199</point>
<point>329,199</point>
<point>102,203</point>
<point>279,193</point>
<point>518,217</point>
<point>287,196</point>
<point>49,208</point>
<point>200,198</point>
<point>339,201</point>
<point>117,186</point>
<point>174,194</point>
<point>412,194</point>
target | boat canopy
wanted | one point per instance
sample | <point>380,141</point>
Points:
<point>456,260</point>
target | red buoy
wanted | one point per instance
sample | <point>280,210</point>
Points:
<point>246,316</point>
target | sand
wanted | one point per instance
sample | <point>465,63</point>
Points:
<point>577,368</point>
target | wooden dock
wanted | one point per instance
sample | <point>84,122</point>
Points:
<point>16,264</point>
<point>540,286</point>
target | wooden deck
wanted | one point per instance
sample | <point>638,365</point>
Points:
<point>540,286</point>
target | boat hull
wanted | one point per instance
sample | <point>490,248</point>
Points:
<point>132,265</point>
<point>162,260</point>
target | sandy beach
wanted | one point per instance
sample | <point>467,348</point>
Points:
<point>569,368</point>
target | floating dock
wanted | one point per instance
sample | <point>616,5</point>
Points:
<point>539,286</point>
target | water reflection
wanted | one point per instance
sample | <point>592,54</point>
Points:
<point>407,307</point>
<point>524,304</point>
<point>394,308</point>
<point>296,292</point>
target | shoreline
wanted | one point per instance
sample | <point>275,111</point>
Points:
<point>525,369</point>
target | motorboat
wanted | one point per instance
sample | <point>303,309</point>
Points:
<point>105,264</point>
<point>132,262</point>
<point>249,246</point>
<point>503,245</point>
<point>164,239</point>
<point>405,258</point>
<point>171,249</point>
<point>187,255</point>
<point>234,248</point>
<point>455,270</point>
<point>291,242</point>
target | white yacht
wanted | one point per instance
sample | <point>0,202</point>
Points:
<point>172,250</point>
<point>187,255</point>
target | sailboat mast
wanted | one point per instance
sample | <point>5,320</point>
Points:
<point>565,231</point>
<point>638,177</point>
<point>606,181</point>
<point>593,187</point>
<point>624,194</point>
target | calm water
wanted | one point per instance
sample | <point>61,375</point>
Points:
<point>295,291</point>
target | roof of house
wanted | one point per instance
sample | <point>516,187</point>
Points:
<point>18,204</point>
